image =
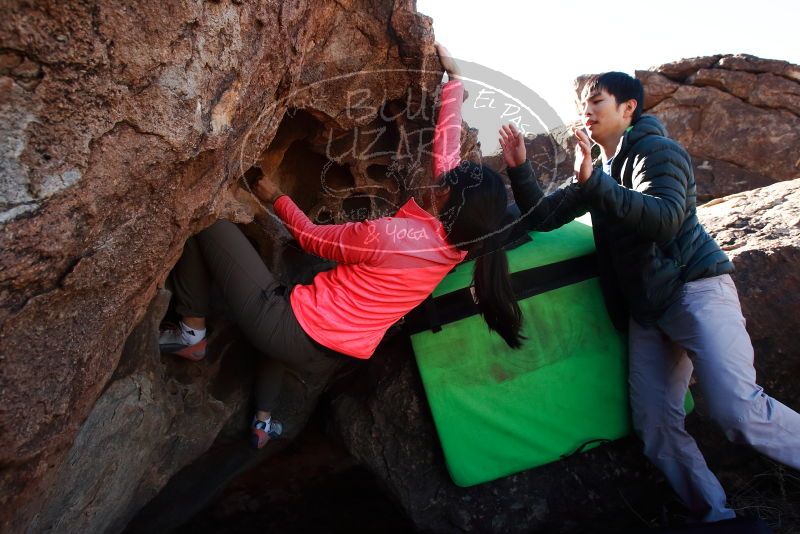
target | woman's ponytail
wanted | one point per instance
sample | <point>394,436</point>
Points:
<point>474,214</point>
<point>495,296</point>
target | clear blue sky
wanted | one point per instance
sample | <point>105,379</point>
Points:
<point>545,45</point>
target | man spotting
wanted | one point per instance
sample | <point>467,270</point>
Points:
<point>665,277</point>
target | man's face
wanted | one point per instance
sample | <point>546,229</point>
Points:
<point>603,117</point>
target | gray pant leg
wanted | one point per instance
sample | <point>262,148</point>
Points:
<point>288,348</point>
<point>267,319</point>
<point>659,373</point>
<point>710,326</point>
<point>244,281</point>
<point>191,282</point>
<point>269,382</point>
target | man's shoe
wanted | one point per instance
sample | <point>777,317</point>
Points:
<point>262,431</point>
<point>170,341</point>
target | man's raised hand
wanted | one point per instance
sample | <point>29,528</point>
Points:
<point>583,156</point>
<point>513,144</point>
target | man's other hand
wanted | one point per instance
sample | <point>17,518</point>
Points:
<point>513,144</point>
<point>583,156</point>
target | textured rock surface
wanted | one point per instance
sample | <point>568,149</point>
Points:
<point>389,429</point>
<point>125,131</point>
<point>156,416</point>
<point>738,116</point>
<point>760,231</point>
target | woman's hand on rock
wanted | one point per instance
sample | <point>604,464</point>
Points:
<point>266,189</point>
<point>448,63</point>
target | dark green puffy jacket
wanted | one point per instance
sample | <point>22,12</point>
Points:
<point>644,216</point>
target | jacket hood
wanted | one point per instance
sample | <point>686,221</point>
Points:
<point>646,125</point>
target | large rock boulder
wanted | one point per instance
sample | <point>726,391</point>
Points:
<point>387,426</point>
<point>760,232</point>
<point>127,130</point>
<point>156,415</point>
<point>737,115</point>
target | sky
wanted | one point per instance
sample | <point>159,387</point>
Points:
<point>544,45</point>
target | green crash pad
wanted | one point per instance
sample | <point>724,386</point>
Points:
<point>499,411</point>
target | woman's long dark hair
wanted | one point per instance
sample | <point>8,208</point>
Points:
<point>473,216</point>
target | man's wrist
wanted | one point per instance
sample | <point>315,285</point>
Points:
<point>588,175</point>
<point>521,172</point>
<point>590,182</point>
<point>518,164</point>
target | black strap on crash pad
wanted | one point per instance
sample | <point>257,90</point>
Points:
<point>458,305</point>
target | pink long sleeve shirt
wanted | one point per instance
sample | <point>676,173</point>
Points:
<point>386,266</point>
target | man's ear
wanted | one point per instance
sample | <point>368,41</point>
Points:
<point>630,107</point>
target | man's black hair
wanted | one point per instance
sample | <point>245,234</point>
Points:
<point>618,84</point>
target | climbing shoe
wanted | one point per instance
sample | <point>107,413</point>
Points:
<point>176,339</point>
<point>263,431</point>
